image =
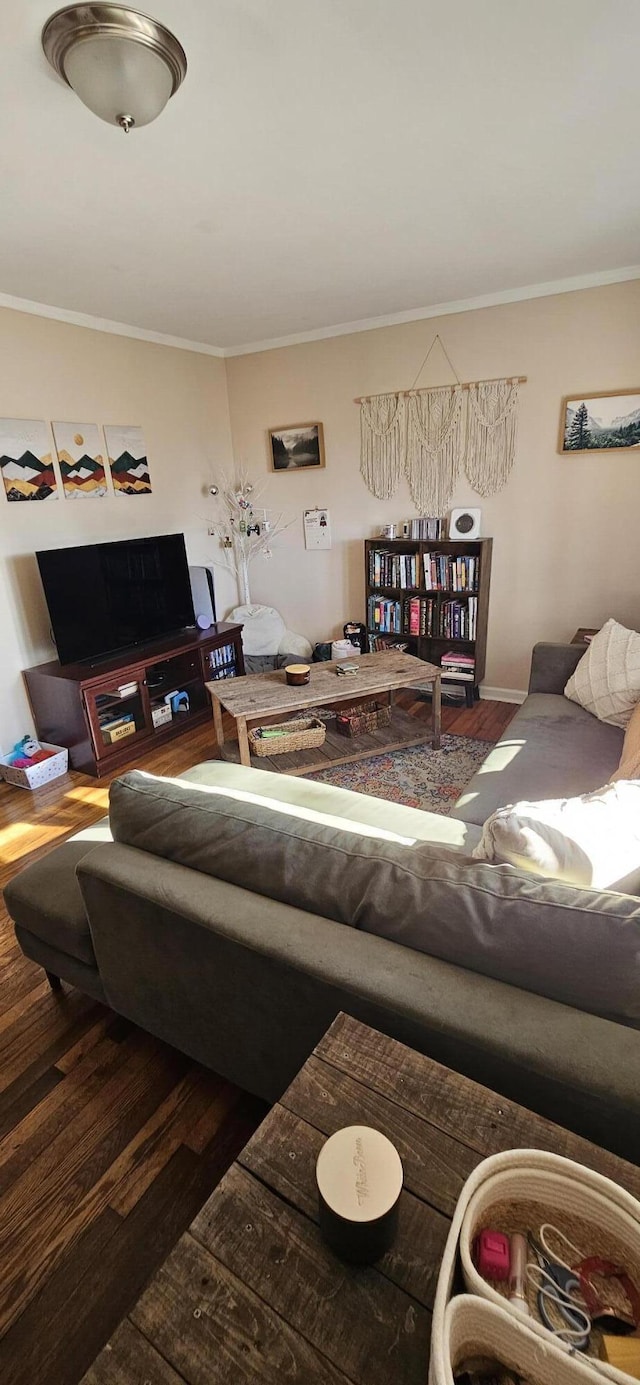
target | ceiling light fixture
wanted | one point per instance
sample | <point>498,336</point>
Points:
<point>123,65</point>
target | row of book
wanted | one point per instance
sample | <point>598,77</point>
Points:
<point>442,571</point>
<point>393,569</point>
<point>222,657</point>
<point>451,620</point>
<point>420,616</point>
<point>378,643</point>
<point>446,573</point>
<point>426,529</point>
<point>460,668</point>
<point>459,619</point>
<point>385,617</point>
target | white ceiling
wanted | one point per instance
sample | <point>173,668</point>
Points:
<point>326,161</point>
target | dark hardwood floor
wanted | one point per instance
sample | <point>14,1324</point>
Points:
<point>110,1141</point>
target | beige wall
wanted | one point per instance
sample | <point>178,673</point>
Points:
<point>566,545</point>
<point>54,371</point>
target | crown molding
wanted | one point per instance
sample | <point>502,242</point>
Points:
<point>342,329</point>
<point>461,305</point>
<point>105,324</point>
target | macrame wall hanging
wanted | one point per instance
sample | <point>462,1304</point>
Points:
<point>492,424</point>
<point>428,433</point>
<point>434,438</point>
<point>382,443</point>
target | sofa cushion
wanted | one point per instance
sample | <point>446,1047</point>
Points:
<point>629,767</point>
<point>337,803</point>
<point>607,679</point>
<point>541,935</point>
<point>551,749</point>
<point>45,899</point>
<point>592,841</point>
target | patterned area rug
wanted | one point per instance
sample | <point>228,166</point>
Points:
<point>419,777</point>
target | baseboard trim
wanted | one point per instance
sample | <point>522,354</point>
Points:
<point>501,694</point>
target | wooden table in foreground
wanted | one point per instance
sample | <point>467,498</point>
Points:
<point>267,696</point>
<point>251,1293</point>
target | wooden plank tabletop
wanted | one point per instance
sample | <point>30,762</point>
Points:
<point>251,1292</point>
<point>264,694</point>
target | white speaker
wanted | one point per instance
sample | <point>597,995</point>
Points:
<point>204,601</point>
<point>465,523</point>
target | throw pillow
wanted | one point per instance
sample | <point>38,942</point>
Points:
<point>591,841</point>
<point>607,679</point>
<point>629,767</point>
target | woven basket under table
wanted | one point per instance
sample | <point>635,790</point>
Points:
<point>302,733</point>
<point>362,720</point>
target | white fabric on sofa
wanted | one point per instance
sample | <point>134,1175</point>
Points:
<point>591,841</point>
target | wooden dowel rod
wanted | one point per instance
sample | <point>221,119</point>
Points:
<point>424,389</point>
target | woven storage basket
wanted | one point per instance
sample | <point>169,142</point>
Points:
<point>525,1184</point>
<point>475,1329</point>
<point>359,721</point>
<point>303,733</point>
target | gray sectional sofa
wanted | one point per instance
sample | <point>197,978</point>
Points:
<point>234,912</point>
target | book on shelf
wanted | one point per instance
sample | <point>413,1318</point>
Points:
<point>461,667</point>
<point>388,569</point>
<point>459,619</point>
<point>379,643</point>
<point>446,572</point>
<point>461,660</point>
<point>417,615</point>
<point>413,616</point>
<point>427,529</point>
<point>219,658</point>
<point>109,723</point>
<point>384,615</point>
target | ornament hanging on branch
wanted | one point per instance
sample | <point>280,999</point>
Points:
<point>244,530</point>
<point>492,424</point>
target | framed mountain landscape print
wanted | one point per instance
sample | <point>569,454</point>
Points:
<point>127,459</point>
<point>297,447</point>
<point>81,460</point>
<point>600,422</point>
<point>26,460</point>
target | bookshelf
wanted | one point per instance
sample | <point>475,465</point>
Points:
<point>451,618</point>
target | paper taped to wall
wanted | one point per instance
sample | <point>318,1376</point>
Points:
<point>317,529</point>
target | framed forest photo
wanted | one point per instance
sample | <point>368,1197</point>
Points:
<point>600,422</point>
<point>297,447</point>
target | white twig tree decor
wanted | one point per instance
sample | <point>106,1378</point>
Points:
<point>244,530</point>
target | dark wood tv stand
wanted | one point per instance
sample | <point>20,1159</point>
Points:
<point>103,712</point>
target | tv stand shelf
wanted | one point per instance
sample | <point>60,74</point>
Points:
<point>103,712</point>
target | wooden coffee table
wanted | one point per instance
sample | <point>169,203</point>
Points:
<point>251,1293</point>
<point>268,697</point>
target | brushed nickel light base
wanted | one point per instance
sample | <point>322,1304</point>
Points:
<point>79,23</point>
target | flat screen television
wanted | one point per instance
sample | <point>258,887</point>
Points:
<point>105,597</point>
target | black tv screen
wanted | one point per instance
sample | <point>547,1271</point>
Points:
<point>104,597</point>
